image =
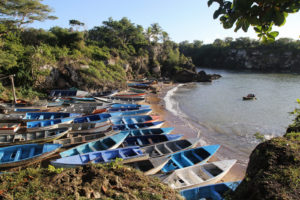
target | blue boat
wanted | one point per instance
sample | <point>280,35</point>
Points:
<point>96,118</point>
<point>108,142</point>
<point>26,109</point>
<point>118,105</point>
<point>83,99</point>
<point>18,155</point>
<point>63,93</point>
<point>132,112</point>
<point>213,192</point>
<point>133,119</point>
<point>122,109</point>
<point>128,154</point>
<point>146,140</point>
<point>47,124</point>
<point>190,157</point>
<point>55,103</point>
<point>48,115</point>
<point>150,131</point>
<point>138,85</point>
<point>124,127</point>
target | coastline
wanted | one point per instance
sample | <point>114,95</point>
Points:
<point>157,103</point>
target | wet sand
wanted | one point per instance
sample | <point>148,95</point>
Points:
<point>156,101</point>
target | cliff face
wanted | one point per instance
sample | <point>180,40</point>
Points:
<point>258,59</point>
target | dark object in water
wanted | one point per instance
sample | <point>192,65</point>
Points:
<point>249,97</point>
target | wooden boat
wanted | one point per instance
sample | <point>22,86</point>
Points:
<point>190,157</point>
<point>146,140</point>
<point>132,112</point>
<point>169,147</point>
<point>137,90</point>
<point>216,191</point>
<point>118,105</point>
<point>96,118</point>
<point>55,104</point>
<point>129,154</point>
<point>124,127</point>
<point>134,119</point>
<point>77,98</point>
<point>135,99</point>
<point>199,175</point>
<point>105,93</point>
<point>74,139</point>
<point>33,137</point>
<point>49,115</point>
<point>150,166</point>
<point>86,108</point>
<point>138,85</point>
<point>18,155</point>
<point>68,93</point>
<point>119,100</point>
<point>23,110</point>
<point>34,126</point>
<point>249,97</point>
<point>109,142</point>
<point>150,131</point>
<point>130,95</point>
<point>9,128</point>
<point>90,127</point>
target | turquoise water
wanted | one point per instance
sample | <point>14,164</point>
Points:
<point>218,111</point>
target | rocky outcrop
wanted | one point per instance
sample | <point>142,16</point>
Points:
<point>185,76</point>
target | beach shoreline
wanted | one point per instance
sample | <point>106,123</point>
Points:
<point>157,103</point>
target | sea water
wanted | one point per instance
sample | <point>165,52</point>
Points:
<point>218,115</point>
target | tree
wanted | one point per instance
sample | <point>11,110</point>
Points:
<point>75,23</point>
<point>261,14</point>
<point>21,12</point>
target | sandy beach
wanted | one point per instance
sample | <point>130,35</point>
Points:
<point>180,127</point>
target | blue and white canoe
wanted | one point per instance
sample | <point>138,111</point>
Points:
<point>125,127</point>
<point>14,156</point>
<point>89,99</point>
<point>96,118</point>
<point>129,154</point>
<point>133,112</point>
<point>55,104</point>
<point>122,109</point>
<point>34,126</point>
<point>67,93</point>
<point>146,140</point>
<point>48,115</point>
<point>214,192</point>
<point>105,143</point>
<point>150,131</point>
<point>26,110</point>
<point>133,119</point>
<point>190,157</point>
<point>118,105</point>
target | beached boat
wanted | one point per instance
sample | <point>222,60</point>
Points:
<point>108,142</point>
<point>214,192</point>
<point>74,139</point>
<point>48,115</point>
<point>34,126</point>
<point>118,105</point>
<point>124,127</point>
<point>55,104</point>
<point>146,140</point>
<point>150,166</point>
<point>96,118</point>
<point>199,175</point>
<point>14,156</point>
<point>135,99</point>
<point>86,108</point>
<point>132,112</point>
<point>25,110</point>
<point>150,131</point>
<point>33,137</point>
<point>190,157</point>
<point>169,147</point>
<point>78,98</point>
<point>137,90</point>
<point>138,85</point>
<point>249,97</point>
<point>90,127</point>
<point>130,95</point>
<point>134,119</point>
<point>9,128</point>
<point>119,100</point>
<point>68,93</point>
<point>129,154</point>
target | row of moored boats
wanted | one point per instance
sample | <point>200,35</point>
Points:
<point>100,128</point>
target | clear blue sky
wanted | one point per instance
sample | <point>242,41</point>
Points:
<point>183,20</point>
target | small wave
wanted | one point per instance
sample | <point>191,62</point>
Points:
<point>171,104</point>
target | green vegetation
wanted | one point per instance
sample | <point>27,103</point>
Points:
<point>109,181</point>
<point>260,14</point>
<point>87,59</point>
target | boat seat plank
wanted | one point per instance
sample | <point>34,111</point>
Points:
<point>194,177</point>
<point>18,154</point>
<point>176,163</point>
<point>1,155</point>
<point>139,141</point>
<point>187,160</point>
<point>91,147</point>
<point>167,148</point>
<point>121,154</point>
<point>157,150</point>
<point>183,178</point>
<point>31,152</point>
<point>150,140</point>
<point>197,156</point>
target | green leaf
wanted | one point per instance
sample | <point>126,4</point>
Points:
<point>210,2</point>
<point>245,26</point>
<point>279,18</point>
<point>239,25</point>
<point>274,33</point>
<point>217,13</point>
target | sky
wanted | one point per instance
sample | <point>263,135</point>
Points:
<point>183,20</point>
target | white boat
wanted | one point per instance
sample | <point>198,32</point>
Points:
<point>199,175</point>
